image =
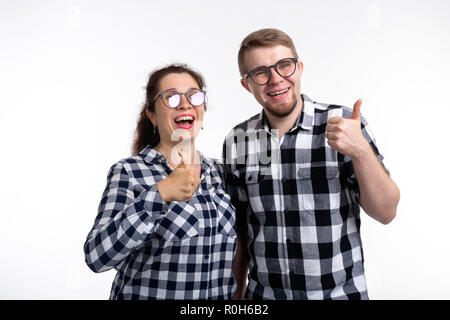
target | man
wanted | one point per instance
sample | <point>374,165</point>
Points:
<point>297,174</point>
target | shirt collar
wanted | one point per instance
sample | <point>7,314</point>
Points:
<point>305,119</point>
<point>152,156</point>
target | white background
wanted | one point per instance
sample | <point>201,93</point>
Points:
<point>72,75</point>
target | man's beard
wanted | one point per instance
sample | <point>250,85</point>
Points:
<point>281,113</point>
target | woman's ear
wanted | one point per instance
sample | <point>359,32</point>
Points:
<point>151,117</point>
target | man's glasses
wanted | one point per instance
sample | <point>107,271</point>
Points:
<point>172,98</point>
<point>285,68</point>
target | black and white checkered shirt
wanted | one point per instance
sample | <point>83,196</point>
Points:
<point>297,202</point>
<point>183,250</point>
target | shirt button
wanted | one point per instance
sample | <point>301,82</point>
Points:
<point>206,257</point>
<point>289,241</point>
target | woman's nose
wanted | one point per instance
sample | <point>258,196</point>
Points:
<point>184,103</point>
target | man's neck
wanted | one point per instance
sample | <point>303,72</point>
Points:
<point>284,124</point>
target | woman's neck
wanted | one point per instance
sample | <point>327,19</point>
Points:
<point>173,152</point>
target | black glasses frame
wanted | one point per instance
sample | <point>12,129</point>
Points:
<point>185,94</point>
<point>275,66</point>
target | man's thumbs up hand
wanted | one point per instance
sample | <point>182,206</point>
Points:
<point>345,135</point>
<point>357,110</point>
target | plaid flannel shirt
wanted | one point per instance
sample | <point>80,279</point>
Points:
<point>181,250</point>
<point>300,210</point>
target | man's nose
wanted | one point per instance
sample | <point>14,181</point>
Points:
<point>275,78</point>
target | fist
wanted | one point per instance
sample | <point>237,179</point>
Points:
<point>345,135</point>
<point>180,185</point>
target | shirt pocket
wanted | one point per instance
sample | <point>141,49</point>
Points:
<point>226,214</point>
<point>320,189</point>
<point>260,192</point>
<point>179,223</point>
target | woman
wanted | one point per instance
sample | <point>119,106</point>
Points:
<point>165,222</point>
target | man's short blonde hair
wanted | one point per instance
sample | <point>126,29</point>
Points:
<point>263,38</point>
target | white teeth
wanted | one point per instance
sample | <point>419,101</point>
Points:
<point>277,93</point>
<point>185,118</point>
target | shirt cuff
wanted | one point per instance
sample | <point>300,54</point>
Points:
<point>153,203</point>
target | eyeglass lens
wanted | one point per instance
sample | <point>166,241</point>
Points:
<point>172,99</point>
<point>284,68</point>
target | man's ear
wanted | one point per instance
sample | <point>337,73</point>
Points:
<point>300,67</point>
<point>245,85</point>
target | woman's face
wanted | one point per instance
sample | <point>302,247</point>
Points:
<point>180,123</point>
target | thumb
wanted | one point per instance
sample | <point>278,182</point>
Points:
<point>357,110</point>
<point>182,163</point>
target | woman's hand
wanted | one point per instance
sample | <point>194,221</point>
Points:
<point>180,185</point>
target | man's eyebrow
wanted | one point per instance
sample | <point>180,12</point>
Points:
<point>260,66</point>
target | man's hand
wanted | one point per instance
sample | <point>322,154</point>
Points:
<point>345,135</point>
<point>180,185</point>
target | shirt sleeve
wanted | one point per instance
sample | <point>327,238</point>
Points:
<point>124,221</point>
<point>233,187</point>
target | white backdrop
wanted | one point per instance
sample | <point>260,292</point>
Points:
<point>72,75</point>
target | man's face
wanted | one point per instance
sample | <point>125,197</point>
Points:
<point>279,96</point>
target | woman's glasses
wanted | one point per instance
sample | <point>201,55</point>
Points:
<point>172,98</point>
